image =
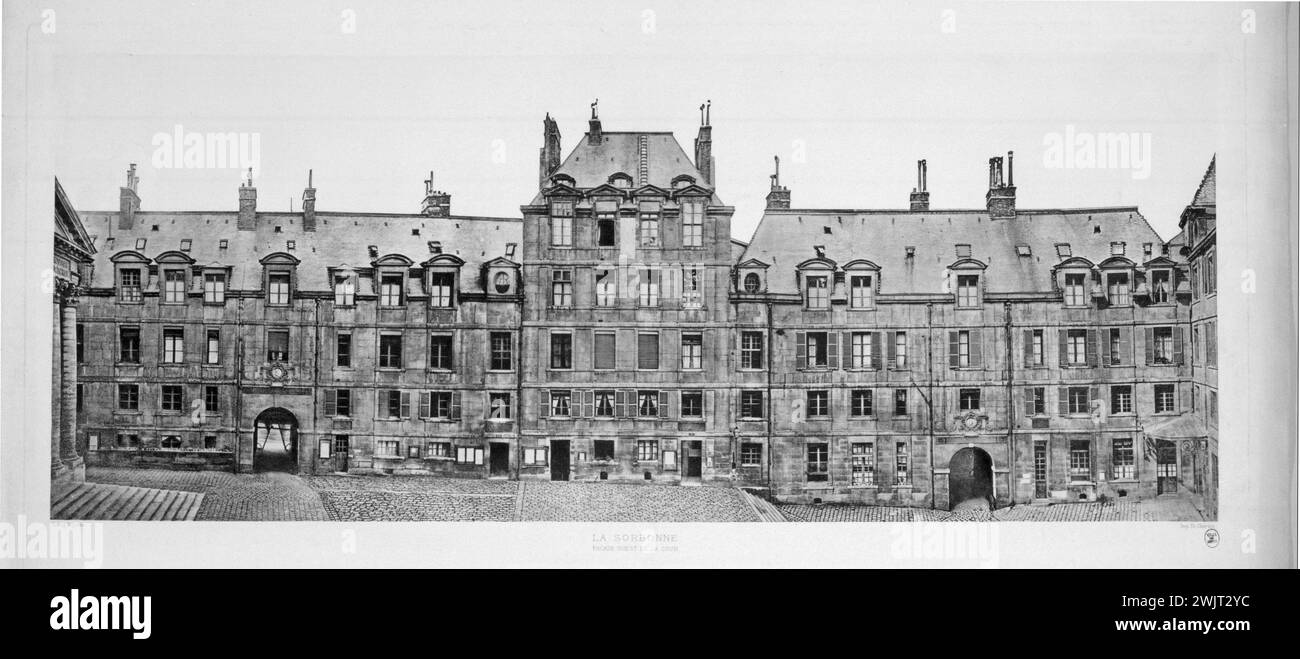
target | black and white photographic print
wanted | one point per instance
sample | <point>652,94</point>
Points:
<point>648,281</point>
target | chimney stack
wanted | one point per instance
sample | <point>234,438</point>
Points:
<point>436,202</point>
<point>247,204</point>
<point>550,151</point>
<point>704,145</point>
<point>130,200</point>
<point>309,206</point>
<point>594,136</point>
<point>920,199</point>
<point>779,196</point>
<point>1001,197</point>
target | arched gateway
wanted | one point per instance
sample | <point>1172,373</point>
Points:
<point>275,441</point>
<point>970,476</point>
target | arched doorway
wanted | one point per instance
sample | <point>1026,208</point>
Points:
<point>275,441</point>
<point>970,477</point>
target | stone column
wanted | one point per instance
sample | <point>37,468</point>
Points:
<point>68,390</point>
<point>57,468</point>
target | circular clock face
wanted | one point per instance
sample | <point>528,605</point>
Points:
<point>277,372</point>
<point>971,422</point>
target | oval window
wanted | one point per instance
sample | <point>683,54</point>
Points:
<point>502,282</point>
<point>751,282</point>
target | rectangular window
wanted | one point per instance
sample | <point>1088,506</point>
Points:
<point>1163,348</point>
<point>1077,400</point>
<point>863,405</point>
<point>968,290</point>
<point>647,450</point>
<point>173,286</point>
<point>818,295</point>
<point>861,349</point>
<point>692,404</point>
<point>902,462</point>
<point>502,345</point>
<point>1075,293</point>
<point>604,403</point>
<point>1117,289</point>
<point>562,223</point>
<point>1165,398</point>
<point>442,285</point>
<point>862,458</point>
<point>469,455</point>
<point>819,403</point>
<point>562,288</point>
<point>862,294</point>
<point>561,350</point>
<point>603,449</point>
<point>499,406</point>
<point>561,402</point>
<point>173,345</point>
<point>751,454</point>
<point>439,405</point>
<point>751,350</point>
<point>648,287</point>
<point>81,343</point>
<point>692,224</point>
<point>390,290</point>
<point>900,402</point>
<point>692,352</point>
<point>129,285</point>
<point>605,357</point>
<point>128,396</point>
<point>1037,401</point>
<point>277,345</point>
<point>692,293</point>
<point>817,345</point>
<point>395,404</point>
<point>1080,461</point>
<point>390,351</point>
<point>606,287</point>
<point>1122,460</point>
<point>211,399</point>
<point>437,450</point>
<point>1076,347</point>
<point>172,397</point>
<point>536,457</point>
<point>440,352</point>
<point>343,349</point>
<point>214,288</point>
<point>818,463</point>
<point>213,353</point>
<point>342,403</point>
<point>647,403</point>
<point>751,404</point>
<point>345,291</point>
<point>1160,287</point>
<point>277,288</point>
<point>969,399</point>
<point>900,350</point>
<point>1116,345</point>
<point>1214,407</point>
<point>605,229</point>
<point>1121,399</point>
<point>648,229</point>
<point>387,448</point>
<point>1212,343</point>
<point>647,351</point>
<point>963,349</point>
<point>129,345</point>
<point>1036,356</point>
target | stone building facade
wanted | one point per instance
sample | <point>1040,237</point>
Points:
<point>74,253</point>
<point>918,357</point>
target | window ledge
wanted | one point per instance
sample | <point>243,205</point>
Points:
<point>864,487</point>
<point>390,369</point>
<point>1124,480</point>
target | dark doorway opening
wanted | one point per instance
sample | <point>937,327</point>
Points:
<point>1166,467</point>
<point>499,459</point>
<point>339,454</point>
<point>1040,470</point>
<point>970,477</point>
<point>275,441</point>
<point>559,459</point>
<point>694,458</point>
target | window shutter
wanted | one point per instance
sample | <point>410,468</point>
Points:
<point>1090,347</point>
<point>663,404</point>
<point>977,348</point>
<point>406,405</point>
<point>1093,394</point>
<point>1064,393</point>
<point>1149,345</point>
<point>455,405</point>
<point>1061,345</point>
<point>800,349</point>
<point>588,403</point>
<point>1125,345</point>
<point>1105,346</point>
<point>1179,335</point>
<point>426,404</point>
<point>708,404</point>
<point>1029,402</point>
<point>381,403</point>
<point>620,404</point>
<point>832,349</point>
<point>892,348</point>
<point>875,350</point>
<point>1029,348</point>
<point>331,402</point>
<point>846,346</point>
<point>544,403</point>
<point>954,350</point>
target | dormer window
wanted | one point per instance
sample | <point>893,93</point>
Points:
<point>501,282</point>
<point>562,223</point>
<point>214,288</point>
<point>1146,250</point>
<point>1161,286</point>
<point>390,289</point>
<point>129,289</point>
<point>648,225</point>
<point>1117,289</point>
<point>968,290</point>
<point>345,289</point>
<point>693,223</point>
<point>174,286</point>
<point>862,291</point>
<point>753,283</point>
<point>621,181</point>
<point>441,286</point>
<point>818,291</point>
<point>277,287</point>
<point>1076,289</point>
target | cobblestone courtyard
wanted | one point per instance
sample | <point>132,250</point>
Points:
<point>275,496</point>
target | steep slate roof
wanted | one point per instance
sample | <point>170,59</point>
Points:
<point>785,238</point>
<point>340,239</point>
<point>1205,193</point>
<point>591,165</point>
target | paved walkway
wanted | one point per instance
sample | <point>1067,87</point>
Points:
<point>270,496</point>
<point>119,502</point>
<point>1171,509</point>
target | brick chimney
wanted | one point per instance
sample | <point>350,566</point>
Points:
<point>920,199</point>
<point>130,200</point>
<point>779,196</point>
<point>550,151</point>
<point>594,135</point>
<point>436,202</point>
<point>309,206</point>
<point>1001,197</point>
<point>247,204</point>
<point>704,145</point>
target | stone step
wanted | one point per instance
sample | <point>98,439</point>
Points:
<point>99,501</point>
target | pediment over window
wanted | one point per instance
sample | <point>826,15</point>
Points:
<point>860,264</point>
<point>606,190</point>
<point>753,263</point>
<point>444,261</point>
<point>392,261</point>
<point>1161,262</point>
<point>129,256</point>
<point>1117,262</point>
<point>174,257</point>
<point>968,264</point>
<point>650,191</point>
<point>692,190</point>
<point>279,258</point>
<point>501,262</point>
<point>817,263</point>
<point>1075,262</point>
